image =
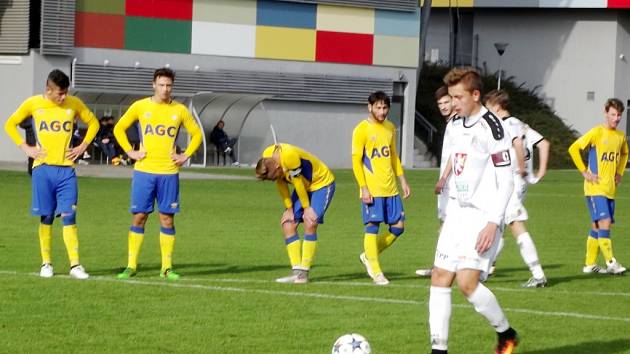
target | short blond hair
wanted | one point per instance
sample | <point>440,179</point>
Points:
<point>469,76</point>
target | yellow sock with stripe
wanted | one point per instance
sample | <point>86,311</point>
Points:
<point>71,240</point>
<point>309,246</point>
<point>605,244</point>
<point>386,240</point>
<point>370,245</point>
<point>167,243</point>
<point>294,250</point>
<point>135,239</point>
<point>592,248</point>
<point>45,242</point>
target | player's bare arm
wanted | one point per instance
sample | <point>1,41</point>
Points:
<point>287,216</point>
<point>366,196</point>
<point>75,152</point>
<point>179,159</point>
<point>442,181</point>
<point>32,151</point>
<point>517,144</point>
<point>590,177</point>
<point>486,237</point>
<point>404,186</point>
<point>543,158</point>
<point>136,154</point>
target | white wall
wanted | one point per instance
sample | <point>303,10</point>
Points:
<point>622,67</point>
<point>565,52</point>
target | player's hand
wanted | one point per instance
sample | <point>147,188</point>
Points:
<point>310,216</point>
<point>366,197</point>
<point>590,177</point>
<point>405,189</point>
<point>617,179</point>
<point>105,141</point>
<point>32,151</point>
<point>287,216</point>
<point>137,154</point>
<point>486,237</point>
<point>440,185</point>
<point>76,151</point>
<point>179,159</point>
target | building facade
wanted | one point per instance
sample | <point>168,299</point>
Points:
<point>572,52</point>
<point>315,62</point>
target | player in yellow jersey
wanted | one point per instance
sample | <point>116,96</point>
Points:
<point>156,172</point>
<point>607,158</point>
<point>376,165</point>
<point>313,190</point>
<point>54,180</point>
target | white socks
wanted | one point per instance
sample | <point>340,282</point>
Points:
<point>529,254</point>
<point>487,305</point>
<point>439,316</point>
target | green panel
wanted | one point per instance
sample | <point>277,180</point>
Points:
<point>157,35</point>
<point>114,7</point>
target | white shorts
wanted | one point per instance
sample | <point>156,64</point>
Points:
<point>515,210</point>
<point>456,246</point>
<point>442,203</point>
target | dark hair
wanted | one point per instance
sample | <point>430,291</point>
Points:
<point>470,77</point>
<point>614,103</point>
<point>166,72</point>
<point>379,96</point>
<point>59,78</point>
<point>441,92</point>
<point>497,97</point>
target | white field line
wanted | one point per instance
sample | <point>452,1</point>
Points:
<point>185,285</point>
<point>419,286</point>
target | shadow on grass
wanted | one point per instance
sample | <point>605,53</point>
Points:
<point>154,268</point>
<point>608,347</point>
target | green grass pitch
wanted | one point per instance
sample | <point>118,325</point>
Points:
<point>229,250</point>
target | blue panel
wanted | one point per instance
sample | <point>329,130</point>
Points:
<point>286,14</point>
<point>307,169</point>
<point>397,23</point>
<point>592,161</point>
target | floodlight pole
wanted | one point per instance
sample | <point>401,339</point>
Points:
<point>500,47</point>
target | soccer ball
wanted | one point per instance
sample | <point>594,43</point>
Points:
<point>351,344</point>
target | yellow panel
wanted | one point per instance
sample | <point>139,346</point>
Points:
<point>285,43</point>
<point>396,51</point>
<point>454,3</point>
<point>345,19</point>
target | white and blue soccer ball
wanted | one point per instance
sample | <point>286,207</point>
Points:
<point>351,344</point>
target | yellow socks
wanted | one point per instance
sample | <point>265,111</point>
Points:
<point>71,241</point>
<point>135,239</point>
<point>370,245</point>
<point>592,249</point>
<point>309,246</point>
<point>605,244</point>
<point>45,242</point>
<point>167,243</point>
<point>294,250</point>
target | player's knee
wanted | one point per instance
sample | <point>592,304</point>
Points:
<point>139,219</point>
<point>69,218</point>
<point>396,231</point>
<point>47,219</point>
<point>371,229</point>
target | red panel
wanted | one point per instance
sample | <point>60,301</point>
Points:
<point>619,4</point>
<point>168,9</point>
<point>351,48</point>
<point>89,30</point>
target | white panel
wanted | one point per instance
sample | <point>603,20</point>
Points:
<point>223,39</point>
<point>588,4</point>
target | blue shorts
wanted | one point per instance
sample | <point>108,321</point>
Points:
<point>320,200</point>
<point>147,187</point>
<point>384,209</point>
<point>601,208</point>
<point>54,190</point>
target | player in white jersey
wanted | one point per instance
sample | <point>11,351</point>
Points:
<point>516,214</point>
<point>445,106</point>
<point>479,153</point>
